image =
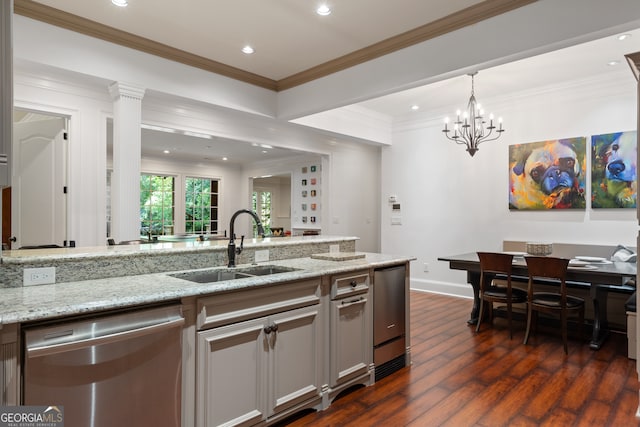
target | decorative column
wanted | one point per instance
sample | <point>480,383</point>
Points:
<point>634,62</point>
<point>125,181</point>
<point>6,90</point>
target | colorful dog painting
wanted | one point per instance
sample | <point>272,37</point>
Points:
<point>548,174</point>
<point>614,178</point>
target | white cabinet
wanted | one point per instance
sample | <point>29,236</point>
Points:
<point>351,331</point>
<point>253,370</point>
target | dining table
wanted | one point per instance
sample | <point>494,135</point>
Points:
<point>600,277</point>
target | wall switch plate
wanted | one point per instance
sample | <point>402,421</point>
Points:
<point>396,220</point>
<point>39,276</point>
<point>426,267</point>
<point>262,256</point>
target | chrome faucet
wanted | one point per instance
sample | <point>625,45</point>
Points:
<point>232,251</point>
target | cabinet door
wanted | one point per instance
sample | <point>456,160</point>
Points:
<point>232,373</point>
<point>351,341</point>
<point>295,358</point>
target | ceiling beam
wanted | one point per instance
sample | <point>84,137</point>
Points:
<point>469,16</point>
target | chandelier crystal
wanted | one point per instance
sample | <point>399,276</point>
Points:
<point>470,128</point>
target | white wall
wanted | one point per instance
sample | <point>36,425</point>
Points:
<point>452,203</point>
<point>87,109</point>
<point>350,168</point>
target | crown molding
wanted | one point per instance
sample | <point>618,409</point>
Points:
<point>463,18</point>
<point>634,62</point>
<point>52,16</point>
<point>455,21</point>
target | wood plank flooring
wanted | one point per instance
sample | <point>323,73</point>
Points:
<point>459,378</point>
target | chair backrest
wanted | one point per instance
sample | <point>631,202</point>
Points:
<point>495,263</point>
<point>548,268</point>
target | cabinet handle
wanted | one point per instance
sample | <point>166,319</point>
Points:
<point>270,328</point>
<point>353,283</point>
<point>353,301</point>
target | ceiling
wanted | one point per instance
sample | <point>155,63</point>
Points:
<point>293,44</point>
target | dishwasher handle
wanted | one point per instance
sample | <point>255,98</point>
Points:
<point>46,350</point>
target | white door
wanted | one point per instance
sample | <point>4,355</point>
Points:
<point>38,202</point>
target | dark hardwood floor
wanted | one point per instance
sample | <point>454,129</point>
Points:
<point>459,378</point>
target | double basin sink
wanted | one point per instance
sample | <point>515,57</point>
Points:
<point>224,274</point>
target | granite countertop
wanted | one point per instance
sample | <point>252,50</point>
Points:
<point>143,250</point>
<point>33,303</point>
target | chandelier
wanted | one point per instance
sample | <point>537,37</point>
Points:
<point>471,128</point>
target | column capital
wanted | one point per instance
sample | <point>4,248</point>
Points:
<point>118,90</point>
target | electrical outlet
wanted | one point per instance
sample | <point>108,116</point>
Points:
<point>334,249</point>
<point>262,256</point>
<point>39,276</point>
<point>426,267</point>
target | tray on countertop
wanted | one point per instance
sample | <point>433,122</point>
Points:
<point>338,256</point>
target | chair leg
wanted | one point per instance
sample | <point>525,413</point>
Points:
<point>563,325</point>
<point>480,315</point>
<point>529,316</point>
<point>509,320</point>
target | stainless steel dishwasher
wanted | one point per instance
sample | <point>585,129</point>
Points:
<point>115,370</point>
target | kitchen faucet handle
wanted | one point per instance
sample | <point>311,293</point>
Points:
<point>239,248</point>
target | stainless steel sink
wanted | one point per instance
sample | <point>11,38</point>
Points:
<point>264,270</point>
<point>209,276</point>
<point>223,274</point>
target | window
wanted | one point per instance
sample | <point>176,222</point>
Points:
<point>156,204</point>
<point>261,203</point>
<point>201,205</point>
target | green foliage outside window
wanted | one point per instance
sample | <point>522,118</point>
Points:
<point>201,206</point>
<point>156,204</point>
<point>261,204</point>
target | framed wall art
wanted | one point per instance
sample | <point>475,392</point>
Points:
<point>614,177</point>
<point>548,175</point>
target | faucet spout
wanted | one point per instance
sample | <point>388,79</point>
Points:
<point>232,250</point>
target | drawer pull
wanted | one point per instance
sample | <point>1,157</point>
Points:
<point>270,328</point>
<point>353,301</point>
<point>353,283</point>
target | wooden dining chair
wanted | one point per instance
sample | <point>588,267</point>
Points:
<point>491,264</point>
<point>551,302</point>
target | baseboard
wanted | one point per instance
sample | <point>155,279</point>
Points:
<point>444,288</point>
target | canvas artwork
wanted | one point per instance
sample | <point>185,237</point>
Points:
<point>614,177</point>
<point>548,174</point>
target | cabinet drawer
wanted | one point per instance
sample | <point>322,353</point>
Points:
<point>349,284</point>
<point>224,309</point>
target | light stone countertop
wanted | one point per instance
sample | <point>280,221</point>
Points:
<point>21,256</point>
<point>33,303</point>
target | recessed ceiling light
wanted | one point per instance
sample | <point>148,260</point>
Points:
<point>613,63</point>
<point>323,10</point>
<point>415,107</point>
<point>225,159</point>
<point>264,151</point>
<point>248,50</point>
<point>266,146</point>
<point>120,3</point>
<point>623,36</point>
<point>166,151</point>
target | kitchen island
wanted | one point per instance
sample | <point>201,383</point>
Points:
<point>302,291</point>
